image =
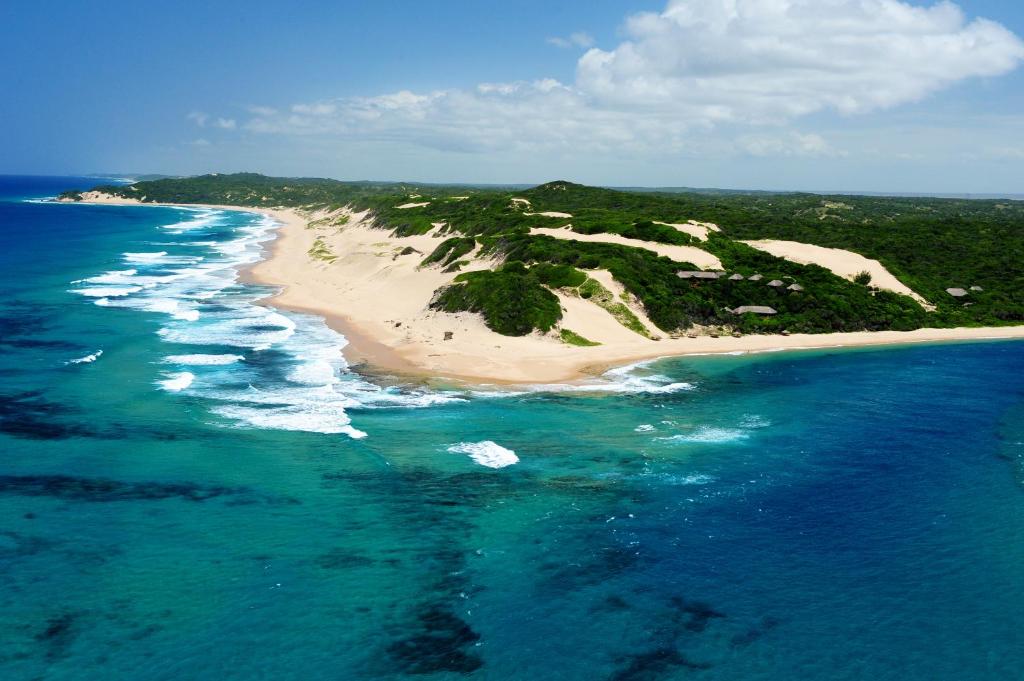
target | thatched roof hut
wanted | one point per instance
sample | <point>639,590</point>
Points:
<point>698,275</point>
<point>754,309</point>
<point>956,292</point>
<point>795,287</point>
<point>736,277</point>
<point>775,283</point>
<point>755,277</point>
<point>977,288</point>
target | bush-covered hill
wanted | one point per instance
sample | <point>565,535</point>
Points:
<point>929,244</point>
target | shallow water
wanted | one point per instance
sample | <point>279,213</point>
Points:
<point>187,492</point>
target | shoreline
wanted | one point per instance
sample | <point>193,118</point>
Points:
<point>390,331</point>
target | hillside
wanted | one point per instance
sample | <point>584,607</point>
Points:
<point>527,247</point>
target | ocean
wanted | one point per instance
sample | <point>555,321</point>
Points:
<point>193,486</point>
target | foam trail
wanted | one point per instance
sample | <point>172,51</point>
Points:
<point>486,453</point>
<point>87,359</point>
<point>709,435</point>
<point>203,360</point>
<point>258,367</point>
<point>177,382</point>
<point>107,291</point>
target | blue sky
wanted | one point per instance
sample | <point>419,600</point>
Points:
<point>874,95</point>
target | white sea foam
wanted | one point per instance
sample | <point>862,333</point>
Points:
<point>204,218</point>
<point>87,359</point>
<point>486,453</point>
<point>106,291</point>
<point>633,378</point>
<point>203,360</point>
<point>297,376</point>
<point>144,257</point>
<point>328,421</point>
<point>111,277</point>
<point>691,479</point>
<point>645,428</point>
<point>177,382</point>
<point>709,435</point>
<point>754,421</point>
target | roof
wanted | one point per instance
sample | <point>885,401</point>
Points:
<point>977,288</point>
<point>795,287</point>
<point>754,309</point>
<point>697,275</point>
<point>956,292</point>
<point>776,282</point>
<point>736,277</point>
<point>755,277</point>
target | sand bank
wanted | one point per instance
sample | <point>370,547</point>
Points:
<point>378,298</point>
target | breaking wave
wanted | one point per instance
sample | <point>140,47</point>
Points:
<point>486,453</point>
<point>258,367</point>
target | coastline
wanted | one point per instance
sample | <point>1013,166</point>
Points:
<point>369,288</point>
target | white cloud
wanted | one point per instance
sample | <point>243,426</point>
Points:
<point>698,66</point>
<point>198,117</point>
<point>770,60</point>
<point>577,39</point>
<point>201,142</point>
<point>225,123</point>
<point>789,144</point>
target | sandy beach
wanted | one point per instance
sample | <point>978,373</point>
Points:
<point>368,285</point>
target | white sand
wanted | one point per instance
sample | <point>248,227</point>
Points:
<point>846,264</point>
<point>698,230</point>
<point>551,214</point>
<point>684,254</point>
<point>406,206</point>
<point>379,300</point>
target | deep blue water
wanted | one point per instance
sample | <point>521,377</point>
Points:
<point>215,496</point>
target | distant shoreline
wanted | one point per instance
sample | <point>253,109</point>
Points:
<point>378,298</point>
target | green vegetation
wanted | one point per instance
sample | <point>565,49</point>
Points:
<point>929,244</point>
<point>511,299</point>
<point>450,250</point>
<point>593,291</point>
<point>328,221</point>
<point>862,278</point>
<point>572,338</point>
<point>320,251</point>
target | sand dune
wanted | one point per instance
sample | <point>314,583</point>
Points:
<point>682,254</point>
<point>698,230</point>
<point>551,214</point>
<point>846,264</point>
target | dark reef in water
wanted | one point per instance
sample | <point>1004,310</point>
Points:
<point>104,490</point>
<point>655,664</point>
<point>342,559</point>
<point>440,646</point>
<point>695,614</point>
<point>754,633</point>
<point>29,415</point>
<point>58,634</point>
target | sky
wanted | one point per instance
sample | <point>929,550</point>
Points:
<point>844,95</point>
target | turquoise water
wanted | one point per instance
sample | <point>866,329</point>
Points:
<point>215,496</point>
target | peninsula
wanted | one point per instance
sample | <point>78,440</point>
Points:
<point>562,280</point>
